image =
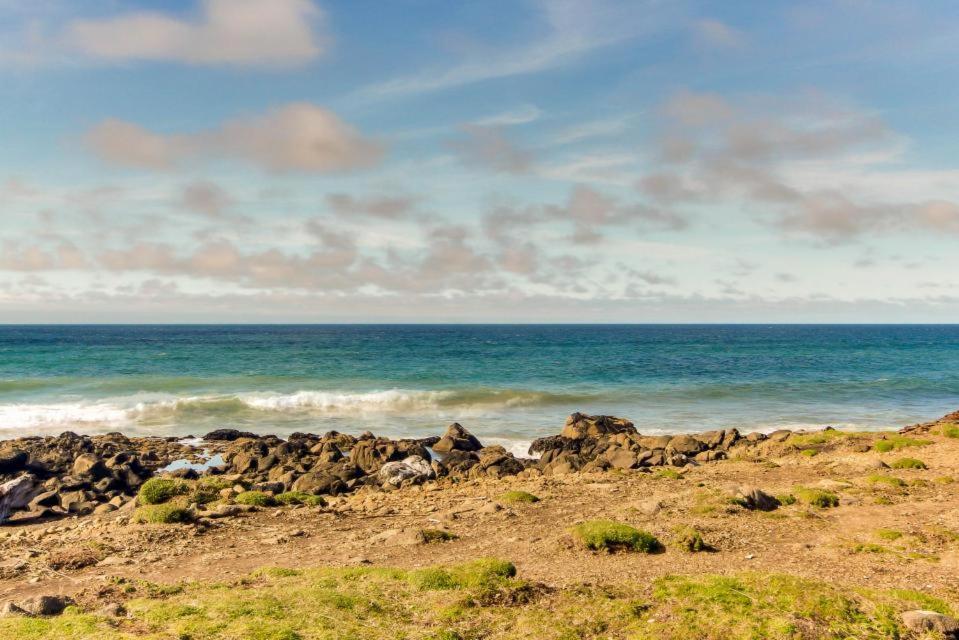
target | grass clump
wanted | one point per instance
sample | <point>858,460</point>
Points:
<point>908,463</point>
<point>895,442</point>
<point>888,534</point>
<point>892,481</point>
<point>786,499</point>
<point>436,535</point>
<point>300,497</point>
<point>690,540</point>
<point>809,453</point>
<point>255,498</point>
<point>819,498</point>
<point>668,474</point>
<point>484,573</point>
<point>160,490</point>
<point>518,497</point>
<point>162,514</point>
<point>951,430</point>
<point>607,535</point>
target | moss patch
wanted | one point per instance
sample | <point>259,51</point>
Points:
<point>436,535</point>
<point>689,539</point>
<point>518,497</point>
<point>894,442</point>
<point>300,497</point>
<point>162,514</point>
<point>255,498</point>
<point>160,490</point>
<point>908,463</point>
<point>607,535</point>
<point>816,497</point>
<point>891,481</point>
<point>668,474</point>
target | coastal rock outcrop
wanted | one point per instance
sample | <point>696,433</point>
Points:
<point>457,438</point>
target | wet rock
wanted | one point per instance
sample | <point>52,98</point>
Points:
<point>920,621</point>
<point>13,461</point>
<point>457,438</point>
<point>228,435</point>
<point>457,463</point>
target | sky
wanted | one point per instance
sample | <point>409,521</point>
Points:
<point>514,161</point>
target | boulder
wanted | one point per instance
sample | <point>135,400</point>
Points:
<point>622,458</point>
<point>458,462</point>
<point>756,499</point>
<point>920,621</point>
<point>228,435</point>
<point>16,494</point>
<point>46,605</point>
<point>411,470</point>
<point>88,465</point>
<point>684,445</point>
<point>13,461</point>
<point>580,426</point>
<point>457,438</point>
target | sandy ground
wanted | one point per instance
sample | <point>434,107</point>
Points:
<point>362,528</point>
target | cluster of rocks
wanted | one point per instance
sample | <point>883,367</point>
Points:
<point>73,474</point>
<point>596,443</point>
<point>77,475</point>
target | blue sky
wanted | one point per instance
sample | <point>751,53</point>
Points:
<point>292,160</point>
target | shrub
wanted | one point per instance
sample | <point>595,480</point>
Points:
<point>162,514</point>
<point>518,497</point>
<point>613,536</point>
<point>436,535</point>
<point>893,442</point>
<point>160,490</point>
<point>888,480</point>
<point>300,497</point>
<point>908,463</point>
<point>255,498</point>
<point>689,539</point>
<point>817,497</point>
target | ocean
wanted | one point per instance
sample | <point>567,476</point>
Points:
<point>506,383</point>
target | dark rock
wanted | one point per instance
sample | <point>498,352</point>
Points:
<point>88,465</point>
<point>684,445</point>
<point>13,461</point>
<point>756,499</point>
<point>46,605</point>
<point>579,426</point>
<point>228,435</point>
<point>457,438</point>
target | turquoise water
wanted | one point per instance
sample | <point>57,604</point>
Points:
<point>505,383</point>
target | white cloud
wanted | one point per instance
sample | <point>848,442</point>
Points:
<point>718,35</point>
<point>230,32</point>
<point>299,137</point>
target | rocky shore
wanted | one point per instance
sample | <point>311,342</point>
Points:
<point>102,531</point>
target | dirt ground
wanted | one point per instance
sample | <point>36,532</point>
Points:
<point>883,534</point>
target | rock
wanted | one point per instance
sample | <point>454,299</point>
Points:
<point>757,499</point>
<point>709,456</point>
<point>228,435</point>
<point>15,494</point>
<point>44,499</point>
<point>684,445</point>
<point>11,609</point>
<point>622,458</point>
<point>457,462</point>
<point>920,621</point>
<point>46,605</point>
<point>88,464</point>
<point>113,610</point>
<point>268,487</point>
<point>399,538</point>
<point>13,461</point>
<point>411,470</point>
<point>780,435</point>
<point>457,438</point>
<point>580,426</point>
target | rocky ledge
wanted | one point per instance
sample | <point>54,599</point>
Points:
<point>72,475</point>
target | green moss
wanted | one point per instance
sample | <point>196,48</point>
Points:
<point>668,474</point>
<point>690,540</point>
<point>484,573</point>
<point>518,497</point>
<point>162,514</point>
<point>950,430</point>
<point>892,481</point>
<point>614,536</point>
<point>817,497</point>
<point>160,490</point>
<point>894,442</point>
<point>868,547</point>
<point>945,479</point>
<point>821,437</point>
<point>882,500</point>
<point>300,497</point>
<point>809,453</point>
<point>255,498</point>
<point>908,463</point>
<point>786,499</point>
<point>888,534</point>
<point>436,535</point>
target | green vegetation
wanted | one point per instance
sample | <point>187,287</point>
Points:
<point>668,474</point>
<point>162,514</point>
<point>945,479</point>
<point>892,481</point>
<point>614,536</point>
<point>888,534</point>
<point>809,453</point>
<point>827,436</point>
<point>786,499</point>
<point>908,463</point>
<point>300,497</point>
<point>485,599</point>
<point>436,535</point>
<point>160,490</point>
<point>869,547</point>
<point>255,498</point>
<point>816,497</point>
<point>689,539</point>
<point>518,497</point>
<point>950,430</point>
<point>894,442</point>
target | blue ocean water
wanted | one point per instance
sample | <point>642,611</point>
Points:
<point>505,383</point>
